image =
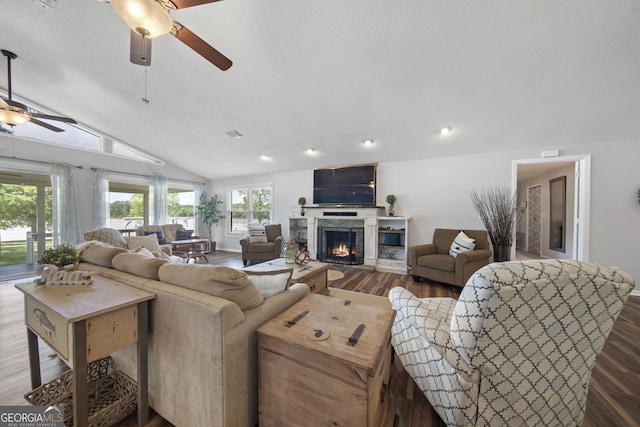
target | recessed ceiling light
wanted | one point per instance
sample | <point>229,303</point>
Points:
<point>264,157</point>
<point>311,151</point>
<point>368,141</point>
<point>446,130</point>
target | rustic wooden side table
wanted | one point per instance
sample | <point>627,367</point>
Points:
<point>83,323</point>
<point>326,361</point>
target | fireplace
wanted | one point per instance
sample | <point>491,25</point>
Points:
<point>341,245</point>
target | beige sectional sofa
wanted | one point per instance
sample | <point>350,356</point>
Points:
<point>202,343</point>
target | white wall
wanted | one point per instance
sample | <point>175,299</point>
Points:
<point>17,148</point>
<point>435,193</point>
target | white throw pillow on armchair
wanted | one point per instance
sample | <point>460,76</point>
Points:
<point>257,234</point>
<point>462,243</point>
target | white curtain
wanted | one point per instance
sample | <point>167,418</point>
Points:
<point>66,212</point>
<point>158,191</point>
<point>197,192</point>
<point>101,198</point>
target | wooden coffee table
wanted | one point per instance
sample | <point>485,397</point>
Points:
<point>190,248</point>
<point>326,362</point>
<point>313,273</point>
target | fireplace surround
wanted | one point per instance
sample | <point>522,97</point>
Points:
<point>362,232</point>
<point>341,245</point>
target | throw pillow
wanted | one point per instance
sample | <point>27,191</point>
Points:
<point>184,234</point>
<point>219,281</point>
<point>462,243</point>
<point>257,234</point>
<point>146,252</point>
<point>161,240</point>
<point>138,264</point>
<point>150,242</point>
<point>270,282</point>
<point>107,235</point>
<point>98,253</point>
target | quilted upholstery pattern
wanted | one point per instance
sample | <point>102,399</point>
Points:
<point>518,346</point>
<point>106,235</point>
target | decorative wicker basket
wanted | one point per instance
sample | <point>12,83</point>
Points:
<point>112,396</point>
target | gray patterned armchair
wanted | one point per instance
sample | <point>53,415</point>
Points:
<point>518,346</point>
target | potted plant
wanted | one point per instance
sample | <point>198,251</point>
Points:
<point>497,209</point>
<point>63,255</point>
<point>302,201</point>
<point>391,199</point>
<point>210,215</point>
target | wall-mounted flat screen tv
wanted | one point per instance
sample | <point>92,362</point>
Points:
<point>350,185</point>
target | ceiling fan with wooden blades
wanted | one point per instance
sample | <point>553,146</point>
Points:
<point>16,113</point>
<point>150,18</point>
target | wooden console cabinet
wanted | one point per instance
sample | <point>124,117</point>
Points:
<point>312,373</point>
<point>84,323</point>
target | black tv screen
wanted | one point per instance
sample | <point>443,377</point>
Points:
<point>351,185</point>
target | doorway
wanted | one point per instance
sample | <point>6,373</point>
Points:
<point>577,170</point>
<point>25,216</point>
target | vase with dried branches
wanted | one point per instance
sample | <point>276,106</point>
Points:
<point>497,209</point>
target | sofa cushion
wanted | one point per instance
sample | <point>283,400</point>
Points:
<point>107,235</point>
<point>159,235</point>
<point>150,242</point>
<point>184,234</point>
<point>462,243</point>
<point>170,230</point>
<point>260,248</point>
<point>442,262</point>
<point>219,281</point>
<point>98,253</point>
<point>139,264</point>
<point>270,282</point>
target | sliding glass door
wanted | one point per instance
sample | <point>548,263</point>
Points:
<point>25,217</point>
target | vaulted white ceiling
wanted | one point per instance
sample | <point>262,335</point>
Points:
<point>328,74</point>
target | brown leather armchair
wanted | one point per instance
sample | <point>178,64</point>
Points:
<point>260,251</point>
<point>432,261</point>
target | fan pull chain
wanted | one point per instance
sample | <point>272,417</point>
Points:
<point>144,99</point>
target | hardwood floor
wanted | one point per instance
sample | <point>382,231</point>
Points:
<point>613,400</point>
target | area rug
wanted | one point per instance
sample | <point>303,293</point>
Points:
<point>334,275</point>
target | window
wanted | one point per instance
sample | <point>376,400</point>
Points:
<point>249,205</point>
<point>77,136</point>
<point>73,136</point>
<point>25,217</point>
<point>181,207</point>
<point>121,149</point>
<point>129,204</point>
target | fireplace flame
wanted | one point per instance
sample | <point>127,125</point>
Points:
<point>340,251</point>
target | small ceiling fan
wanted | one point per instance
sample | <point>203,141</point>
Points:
<point>150,18</point>
<point>16,113</point>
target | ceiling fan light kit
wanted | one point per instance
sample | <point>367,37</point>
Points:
<point>146,17</point>
<point>150,18</point>
<point>16,113</point>
<point>11,117</point>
